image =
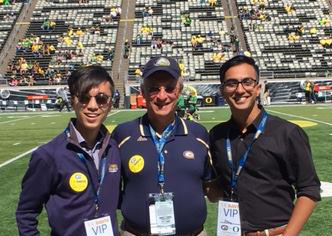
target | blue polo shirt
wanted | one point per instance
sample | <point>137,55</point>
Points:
<point>187,166</point>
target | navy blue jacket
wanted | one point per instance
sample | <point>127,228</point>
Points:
<point>46,182</point>
<point>187,166</point>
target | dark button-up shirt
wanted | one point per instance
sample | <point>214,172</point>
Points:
<point>279,167</point>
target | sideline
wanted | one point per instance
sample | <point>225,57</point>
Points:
<point>301,117</point>
<point>31,150</point>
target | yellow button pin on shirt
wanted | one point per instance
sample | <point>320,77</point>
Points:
<point>136,163</point>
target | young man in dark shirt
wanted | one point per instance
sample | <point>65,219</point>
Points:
<point>264,162</point>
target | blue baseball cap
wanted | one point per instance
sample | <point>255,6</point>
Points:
<point>166,64</point>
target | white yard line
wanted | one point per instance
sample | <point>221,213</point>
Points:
<point>31,150</point>
<point>9,121</point>
<point>300,117</point>
<point>18,157</point>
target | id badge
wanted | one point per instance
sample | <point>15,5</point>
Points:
<point>228,219</point>
<point>161,211</point>
<point>99,227</point>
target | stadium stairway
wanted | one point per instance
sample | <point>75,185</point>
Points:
<point>22,24</point>
<point>120,63</point>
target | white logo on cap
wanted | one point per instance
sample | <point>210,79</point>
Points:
<point>163,62</point>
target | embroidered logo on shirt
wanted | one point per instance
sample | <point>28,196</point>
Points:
<point>189,155</point>
<point>113,168</point>
<point>136,163</point>
<point>140,139</point>
<point>78,182</point>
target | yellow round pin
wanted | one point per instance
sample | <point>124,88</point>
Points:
<point>78,182</point>
<point>136,163</point>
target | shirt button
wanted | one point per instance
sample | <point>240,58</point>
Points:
<point>165,151</point>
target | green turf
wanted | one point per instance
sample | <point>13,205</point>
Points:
<point>20,132</point>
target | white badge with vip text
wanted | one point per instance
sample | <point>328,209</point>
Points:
<point>228,219</point>
<point>99,227</point>
<point>162,220</point>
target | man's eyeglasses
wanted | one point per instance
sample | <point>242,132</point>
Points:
<point>101,99</point>
<point>155,90</point>
<point>232,84</point>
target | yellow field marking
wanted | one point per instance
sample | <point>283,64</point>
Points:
<point>303,123</point>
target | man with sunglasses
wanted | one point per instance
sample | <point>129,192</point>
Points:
<point>76,176</point>
<point>264,162</point>
<point>165,161</point>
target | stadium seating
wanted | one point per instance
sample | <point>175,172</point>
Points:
<point>99,34</point>
<point>269,42</point>
<point>165,23</point>
<point>8,17</point>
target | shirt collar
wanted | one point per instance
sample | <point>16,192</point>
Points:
<point>180,126</point>
<point>254,125</point>
<point>77,138</point>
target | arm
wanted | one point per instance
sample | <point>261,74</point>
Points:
<point>306,181</point>
<point>301,213</point>
<point>36,187</point>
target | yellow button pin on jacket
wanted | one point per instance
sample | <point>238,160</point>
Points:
<point>78,182</point>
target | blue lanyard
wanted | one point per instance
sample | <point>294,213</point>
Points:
<point>236,174</point>
<point>160,143</point>
<point>95,190</point>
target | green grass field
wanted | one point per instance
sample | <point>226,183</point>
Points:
<point>21,132</point>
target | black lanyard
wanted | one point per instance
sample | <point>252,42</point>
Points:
<point>236,173</point>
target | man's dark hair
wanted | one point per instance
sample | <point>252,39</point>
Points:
<point>82,80</point>
<point>235,61</point>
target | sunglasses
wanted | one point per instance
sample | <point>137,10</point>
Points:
<point>101,99</point>
<point>156,90</point>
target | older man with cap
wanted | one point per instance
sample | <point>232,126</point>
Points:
<point>165,161</point>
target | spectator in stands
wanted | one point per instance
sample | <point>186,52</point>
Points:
<point>153,43</point>
<point>213,3</point>
<point>79,32</point>
<point>110,54</point>
<point>186,20</point>
<point>138,74</point>
<point>58,77</point>
<point>13,81</point>
<point>145,12</point>
<point>150,11</point>
<point>139,39</point>
<point>30,80</point>
<point>126,49</point>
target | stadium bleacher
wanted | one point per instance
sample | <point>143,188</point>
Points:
<point>166,24</point>
<point>70,15</point>
<point>269,42</point>
<point>8,17</point>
